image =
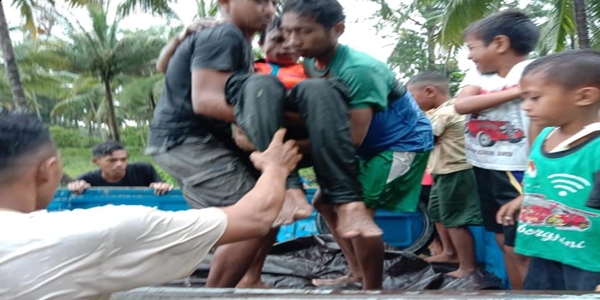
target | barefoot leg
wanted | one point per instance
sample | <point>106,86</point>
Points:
<point>354,221</point>
<point>462,239</point>
<point>354,273</point>
<point>448,254</point>
<point>369,252</point>
<point>295,207</point>
<point>230,262</point>
<point>252,278</point>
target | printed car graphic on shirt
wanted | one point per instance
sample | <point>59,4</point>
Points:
<point>488,133</point>
<point>538,211</point>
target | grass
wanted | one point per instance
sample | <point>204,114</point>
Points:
<point>77,161</point>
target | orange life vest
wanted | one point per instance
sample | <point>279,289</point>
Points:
<point>288,75</point>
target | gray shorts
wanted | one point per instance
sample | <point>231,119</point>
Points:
<point>209,173</point>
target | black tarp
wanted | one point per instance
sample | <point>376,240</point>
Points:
<point>293,264</point>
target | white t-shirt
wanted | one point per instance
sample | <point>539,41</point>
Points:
<point>497,138</point>
<point>92,253</point>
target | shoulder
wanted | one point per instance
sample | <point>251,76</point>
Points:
<point>140,166</point>
<point>516,72</point>
<point>224,33</point>
<point>358,61</point>
<point>89,174</point>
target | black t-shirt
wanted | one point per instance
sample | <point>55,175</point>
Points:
<point>137,174</point>
<point>222,48</point>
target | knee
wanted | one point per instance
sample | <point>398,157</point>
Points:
<point>312,92</point>
<point>265,82</point>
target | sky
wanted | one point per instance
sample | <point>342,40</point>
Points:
<point>360,31</point>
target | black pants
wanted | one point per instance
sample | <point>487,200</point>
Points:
<point>259,103</point>
<point>546,274</point>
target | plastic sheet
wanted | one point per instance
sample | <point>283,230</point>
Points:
<point>293,264</point>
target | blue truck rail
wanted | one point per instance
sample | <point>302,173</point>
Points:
<point>400,229</point>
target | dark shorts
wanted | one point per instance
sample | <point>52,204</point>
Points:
<point>546,274</point>
<point>454,201</point>
<point>209,173</point>
<point>496,188</point>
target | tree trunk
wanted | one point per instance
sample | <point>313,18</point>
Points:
<point>581,23</point>
<point>16,88</point>
<point>112,118</point>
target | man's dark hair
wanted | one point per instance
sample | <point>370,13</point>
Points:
<point>570,69</point>
<point>517,26</point>
<point>106,148</point>
<point>274,25</point>
<point>325,12</point>
<point>431,78</point>
<point>20,135</point>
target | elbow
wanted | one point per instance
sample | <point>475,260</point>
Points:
<point>160,68</point>
<point>461,108</point>
<point>198,106</point>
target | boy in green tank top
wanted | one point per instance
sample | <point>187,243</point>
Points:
<point>559,220</point>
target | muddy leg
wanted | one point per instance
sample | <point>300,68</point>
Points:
<point>294,208</point>
<point>230,263</point>
<point>354,221</point>
<point>354,271</point>
<point>252,278</point>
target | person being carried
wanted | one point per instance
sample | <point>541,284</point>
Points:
<point>498,130</point>
<point>453,204</point>
<point>559,223</point>
<point>393,135</point>
<point>191,137</point>
<point>115,170</point>
<point>91,253</point>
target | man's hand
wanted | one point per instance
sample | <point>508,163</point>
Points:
<point>508,212</point>
<point>241,139</point>
<point>197,25</point>
<point>278,155</point>
<point>78,186</point>
<point>161,188</point>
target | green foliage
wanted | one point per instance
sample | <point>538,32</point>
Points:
<point>71,138</point>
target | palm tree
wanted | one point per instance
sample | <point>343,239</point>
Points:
<point>104,54</point>
<point>561,19</point>
<point>26,7</point>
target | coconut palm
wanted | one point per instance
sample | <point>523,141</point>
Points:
<point>106,53</point>
<point>26,7</point>
<point>561,20</point>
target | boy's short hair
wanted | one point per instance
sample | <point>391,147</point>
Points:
<point>431,78</point>
<point>106,148</point>
<point>274,25</point>
<point>325,12</point>
<point>517,26</point>
<point>571,69</point>
<point>20,135</point>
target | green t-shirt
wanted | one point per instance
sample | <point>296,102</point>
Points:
<point>554,223</point>
<point>370,81</point>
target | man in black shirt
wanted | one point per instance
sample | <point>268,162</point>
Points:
<point>114,170</point>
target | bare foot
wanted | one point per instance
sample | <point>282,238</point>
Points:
<point>442,258</point>
<point>253,285</point>
<point>435,247</point>
<point>460,273</point>
<point>355,221</point>
<point>598,288</point>
<point>336,281</point>
<point>295,207</point>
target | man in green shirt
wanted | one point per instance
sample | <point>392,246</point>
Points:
<point>393,136</point>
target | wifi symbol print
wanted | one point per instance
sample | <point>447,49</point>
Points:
<point>568,184</point>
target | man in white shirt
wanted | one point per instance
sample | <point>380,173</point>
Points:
<point>92,253</point>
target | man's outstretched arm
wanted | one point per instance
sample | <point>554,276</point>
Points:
<point>254,214</point>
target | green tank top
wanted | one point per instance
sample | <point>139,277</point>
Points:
<point>554,222</point>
